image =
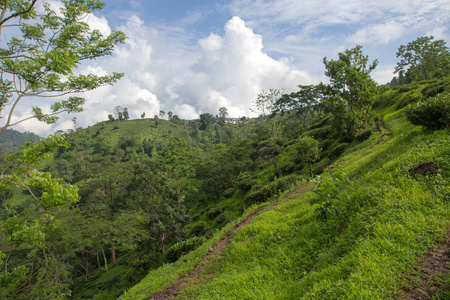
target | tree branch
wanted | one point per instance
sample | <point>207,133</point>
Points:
<point>22,185</point>
<point>17,13</point>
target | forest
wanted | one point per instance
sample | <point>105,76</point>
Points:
<point>331,174</point>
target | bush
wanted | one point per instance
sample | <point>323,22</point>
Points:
<point>214,212</point>
<point>361,137</point>
<point>433,113</point>
<point>179,249</point>
<point>199,229</point>
<point>262,193</point>
<point>338,150</point>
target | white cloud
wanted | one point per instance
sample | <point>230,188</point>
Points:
<point>233,69</point>
<point>378,33</point>
<point>383,73</point>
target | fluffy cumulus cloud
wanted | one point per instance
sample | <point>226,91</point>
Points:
<point>233,69</point>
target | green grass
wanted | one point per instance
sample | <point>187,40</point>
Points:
<point>385,221</point>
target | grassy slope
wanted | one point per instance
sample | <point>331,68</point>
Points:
<point>386,221</point>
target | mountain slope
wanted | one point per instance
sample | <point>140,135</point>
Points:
<point>376,229</point>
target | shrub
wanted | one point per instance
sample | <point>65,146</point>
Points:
<point>433,113</point>
<point>338,150</point>
<point>362,136</point>
<point>179,249</point>
<point>214,212</point>
<point>199,229</point>
<point>262,193</point>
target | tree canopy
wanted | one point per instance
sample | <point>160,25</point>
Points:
<point>40,59</point>
<point>422,59</point>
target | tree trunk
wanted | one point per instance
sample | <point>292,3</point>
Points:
<point>98,260</point>
<point>310,169</point>
<point>105,260</point>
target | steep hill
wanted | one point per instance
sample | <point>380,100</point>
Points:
<point>364,233</point>
<point>11,140</point>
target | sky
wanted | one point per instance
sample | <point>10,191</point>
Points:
<point>193,57</point>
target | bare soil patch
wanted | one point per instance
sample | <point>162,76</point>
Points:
<point>435,263</point>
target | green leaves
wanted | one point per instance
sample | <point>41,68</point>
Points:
<point>326,192</point>
<point>350,81</point>
<point>40,61</point>
<point>423,59</point>
<point>432,113</point>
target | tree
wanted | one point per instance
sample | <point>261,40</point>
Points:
<point>143,115</point>
<point>351,83</point>
<point>206,120</point>
<point>223,112</point>
<point>169,115</point>
<point>161,114</point>
<point>308,149</point>
<point>265,101</point>
<point>423,59</point>
<point>125,114</point>
<point>304,103</point>
<point>38,60</point>
<point>118,113</point>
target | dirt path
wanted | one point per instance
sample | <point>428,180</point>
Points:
<point>215,251</point>
<point>436,263</point>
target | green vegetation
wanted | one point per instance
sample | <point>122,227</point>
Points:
<point>126,208</point>
<point>362,237</point>
<point>11,140</point>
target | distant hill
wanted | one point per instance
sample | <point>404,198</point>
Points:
<point>11,140</point>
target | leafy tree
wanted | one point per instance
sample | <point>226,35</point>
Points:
<point>143,115</point>
<point>111,118</point>
<point>161,114</point>
<point>118,113</point>
<point>223,112</point>
<point>351,83</point>
<point>39,59</point>
<point>265,101</point>
<point>169,115</point>
<point>125,114</point>
<point>308,149</point>
<point>423,58</point>
<point>206,120</point>
<point>303,103</point>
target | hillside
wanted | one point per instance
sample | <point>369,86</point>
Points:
<point>299,204</point>
<point>11,140</point>
<point>375,230</point>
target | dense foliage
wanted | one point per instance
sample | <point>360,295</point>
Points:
<point>432,113</point>
<point>11,140</point>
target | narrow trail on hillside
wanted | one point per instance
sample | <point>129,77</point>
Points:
<point>436,263</point>
<point>215,251</point>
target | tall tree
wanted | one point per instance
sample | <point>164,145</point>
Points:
<point>126,116</point>
<point>118,113</point>
<point>351,83</point>
<point>38,60</point>
<point>304,103</point>
<point>43,49</point>
<point>265,101</point>
<point>423,58</point>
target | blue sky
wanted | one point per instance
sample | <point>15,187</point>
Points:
<point>195,56</point>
